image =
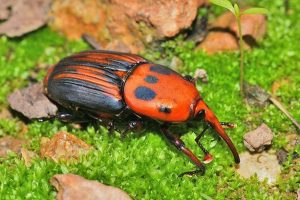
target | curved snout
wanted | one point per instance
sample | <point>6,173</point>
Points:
<point>210,117</point>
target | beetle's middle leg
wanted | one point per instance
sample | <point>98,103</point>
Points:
<point>132,125</point>
<point>207,156</point>
<point>179,144</point>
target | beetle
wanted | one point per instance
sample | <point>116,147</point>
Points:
<point>108,85</point>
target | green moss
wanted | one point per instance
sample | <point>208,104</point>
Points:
<point>145,165</point>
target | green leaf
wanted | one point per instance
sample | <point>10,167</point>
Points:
<point>223,3</point>
<point>255,11</point>
<point>236,10</point>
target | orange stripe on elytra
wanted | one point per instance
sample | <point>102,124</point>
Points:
<point>85,69</point>
<point>88,71</point>
<point>102,55</point>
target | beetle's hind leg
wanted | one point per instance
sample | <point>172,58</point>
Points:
<point>179,144</point>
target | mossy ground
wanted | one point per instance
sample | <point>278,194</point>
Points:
<point>146,166</point>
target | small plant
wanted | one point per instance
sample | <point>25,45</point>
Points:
<point>234,8</point>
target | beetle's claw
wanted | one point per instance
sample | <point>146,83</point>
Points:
<point>200,171</point>
<point>208,158</point>
<point>228,125</point>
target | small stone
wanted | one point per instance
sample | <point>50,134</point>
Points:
<point>264,165</point>
<point>253,25</point>
<point>8,143</point>
<point>23,16</point>
<point>202,75</point>
<point>74,187</point>
<point>223,35</point>
<point>258,139</point>
<point>120,25</point>
<point>217,41</point>
<point>63,146</point>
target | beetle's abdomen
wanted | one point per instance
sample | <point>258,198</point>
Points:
<point>86,86</point>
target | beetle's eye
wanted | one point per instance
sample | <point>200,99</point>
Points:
<point>200,114</point>
<point>189,78</point>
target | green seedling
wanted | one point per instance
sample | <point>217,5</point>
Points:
<point>236,11</point>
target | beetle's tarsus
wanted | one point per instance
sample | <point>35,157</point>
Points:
<point>228,125</point>
<point>179,144</point>
<point>71,117</point>
<point>193,173</point>
<point>111,127</point>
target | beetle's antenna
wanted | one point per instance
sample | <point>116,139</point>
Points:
<point>210,118</point>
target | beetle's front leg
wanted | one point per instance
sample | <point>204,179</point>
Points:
<point>227,125</point>
<point>111,126</point>
<point>179,144</point>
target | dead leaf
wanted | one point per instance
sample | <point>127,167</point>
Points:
<point>25,16</point>
<point>258,139</point>
<point>63,146</point>
<point>32,102</point>
<point>27,156</point>
<point>256,96</point>
<point>74,187</point>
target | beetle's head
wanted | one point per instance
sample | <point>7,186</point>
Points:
<point>202,111</point>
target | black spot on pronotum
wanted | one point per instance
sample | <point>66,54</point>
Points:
<point>144,93</point>
<point>165,109</point>
<point>151,79</point>
<point>161,69</point>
